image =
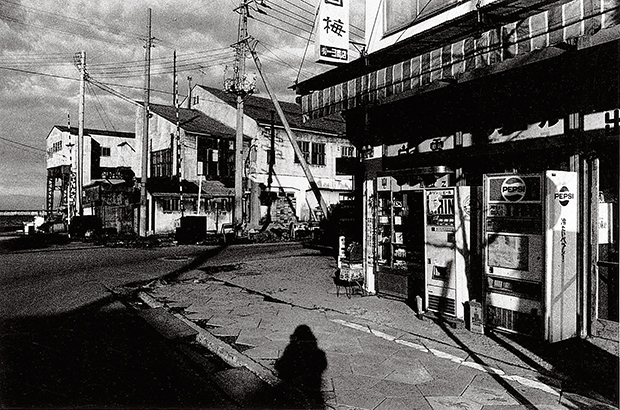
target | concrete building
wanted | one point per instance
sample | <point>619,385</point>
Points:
<point>198,156</point>
<point>107,156</point>
<point>451,93</point>
<point>191,154</point>
<point>323,142</point>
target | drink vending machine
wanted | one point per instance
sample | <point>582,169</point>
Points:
<point>447,239</point>
<point>424,244</point>
<point>529,251</point>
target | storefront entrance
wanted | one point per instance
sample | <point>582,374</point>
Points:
<point>607,255</point>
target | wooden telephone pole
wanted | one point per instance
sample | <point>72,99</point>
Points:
<point>143,232</point>
<point>80,62</point>
<point>241,93</point>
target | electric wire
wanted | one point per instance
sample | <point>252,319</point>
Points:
<point>63,18</point>
<point>99,108</point>
<point>303,58</point>
<point>279,9</point>
<point>23,145</point>
<point>39,73</point>
<point>291,25</point>
<point>279,28</point>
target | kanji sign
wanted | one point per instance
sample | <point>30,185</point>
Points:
<point>333,32</point>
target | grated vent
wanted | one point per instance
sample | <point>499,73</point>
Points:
<point>442,304</point>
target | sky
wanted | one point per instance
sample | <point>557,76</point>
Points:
<point>39,81</point>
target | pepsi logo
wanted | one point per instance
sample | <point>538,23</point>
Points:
<point>564,196</point>
<point>513,189</point>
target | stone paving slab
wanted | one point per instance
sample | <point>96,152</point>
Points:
<point>404,403</point>
<point>379,354</point>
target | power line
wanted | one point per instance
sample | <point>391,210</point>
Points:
<point>99,105</point>
<point>23,145</point>
<point>64,18</point>
<point>39,73</point>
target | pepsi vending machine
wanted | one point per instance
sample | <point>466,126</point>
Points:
<point>530,253</point>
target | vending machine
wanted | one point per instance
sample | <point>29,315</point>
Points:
<point>448,248</point>
<point>529,252</point>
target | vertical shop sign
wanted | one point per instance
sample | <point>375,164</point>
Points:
<point>333,32</point>
<point>561,220</point>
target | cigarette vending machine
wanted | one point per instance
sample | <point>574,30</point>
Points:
<point>447,239</point>
<point>530,247</point>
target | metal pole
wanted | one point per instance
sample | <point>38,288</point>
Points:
<point>145,134</point>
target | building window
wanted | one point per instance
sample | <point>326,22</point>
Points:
<point>400,14</point>
<point>211,154</point>
<point>161,163</point>
<point>318,153</point>
<point>347,152</point>
<point>304,146</point>
<point>105,151</point>
<point>170,204</point>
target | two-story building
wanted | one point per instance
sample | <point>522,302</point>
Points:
<point>281,187</point>
<point>109,162</point>
<point>451,93</point>
<point>192,156</point>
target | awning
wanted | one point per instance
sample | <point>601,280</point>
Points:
<point>566,27</point>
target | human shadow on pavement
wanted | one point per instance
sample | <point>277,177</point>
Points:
<point>301,367</point>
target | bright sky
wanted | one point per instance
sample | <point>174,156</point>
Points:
<point>39,83</point>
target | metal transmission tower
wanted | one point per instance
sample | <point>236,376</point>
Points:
<point>241,86</point>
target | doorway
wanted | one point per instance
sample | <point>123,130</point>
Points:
<point>607,252</point>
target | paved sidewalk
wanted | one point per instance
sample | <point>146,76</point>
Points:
<point>379,354</point>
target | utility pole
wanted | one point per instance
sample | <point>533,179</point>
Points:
<point>80,62</point>
<point>71,181</point>
<point>179,143</point>
<point>145,133</point>
<point>239,78</point>
<point>241,87</point>
<point>189,92</point>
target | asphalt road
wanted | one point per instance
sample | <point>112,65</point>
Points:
<point>66,342</point>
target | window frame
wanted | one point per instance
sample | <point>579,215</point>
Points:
<point>318,153</point>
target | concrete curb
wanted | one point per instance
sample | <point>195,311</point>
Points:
<point>218,347</point>
<point>227,353</point>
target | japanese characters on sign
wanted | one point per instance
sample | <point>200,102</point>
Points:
<point>333,32</point>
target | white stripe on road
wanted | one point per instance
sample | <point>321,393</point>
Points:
<point>443,355</point>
